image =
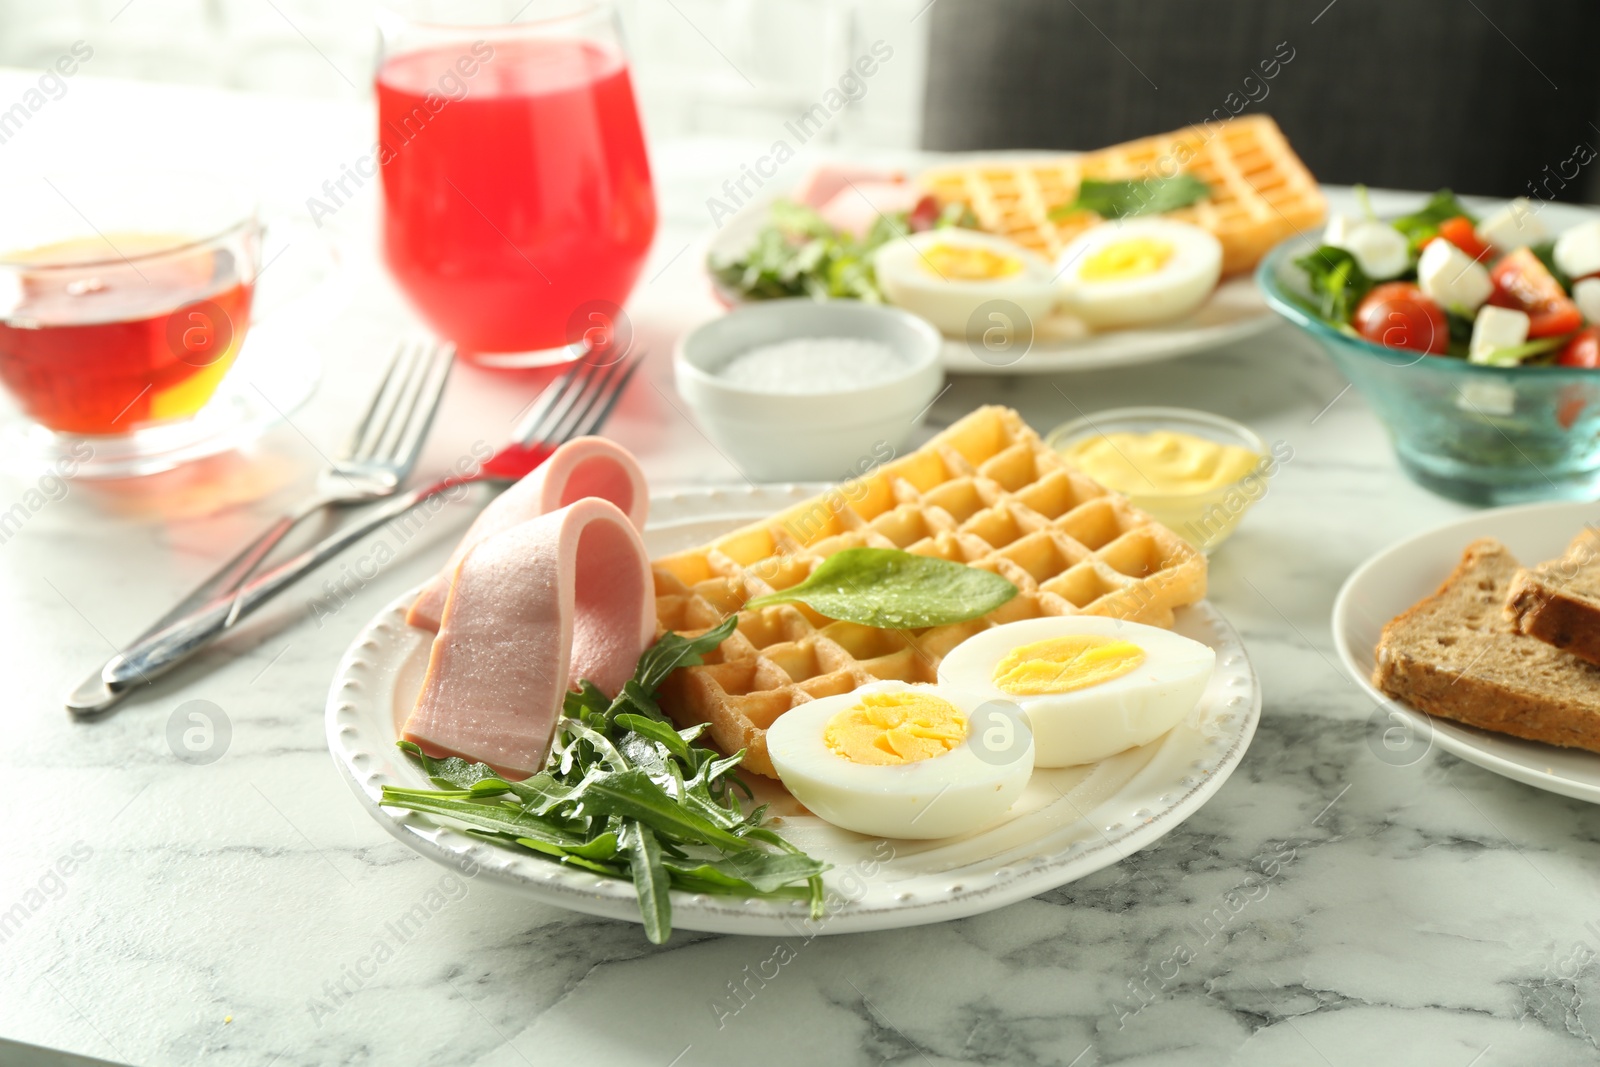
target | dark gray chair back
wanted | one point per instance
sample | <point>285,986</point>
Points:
<point>1498,97</point>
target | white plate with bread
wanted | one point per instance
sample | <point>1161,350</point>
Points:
<point>1466,637</point>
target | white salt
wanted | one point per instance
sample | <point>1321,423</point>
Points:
<point>814,365</point>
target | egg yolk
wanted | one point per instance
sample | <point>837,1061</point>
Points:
<point>889,729</point>
<point>1065,664</point>
<point>1133,257</point>
<point>965,263</point>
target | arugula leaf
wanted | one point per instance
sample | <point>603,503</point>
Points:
<point>675,650</point>
<point>1141,196</point>
<point>1336,280</point>
<point>456,772</point>
<point>650,878</point>
<point>628,796</point>
<point>893,589</point>
<point>1424,222</point>
<point>1513,355</point>
<point>798,253</point>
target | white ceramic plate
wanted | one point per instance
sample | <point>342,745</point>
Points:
<point>1236,311</point>
<point>1403,574</point>
<point>1069,823</point>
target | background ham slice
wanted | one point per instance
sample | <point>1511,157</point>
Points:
<point>828,180</point>
<point>583,467</point>
<point>532,610</point>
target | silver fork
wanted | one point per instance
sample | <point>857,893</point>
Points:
<point>379,457</point>
<point>578,403</point>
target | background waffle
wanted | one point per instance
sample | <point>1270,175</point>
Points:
<point>1260,191</point>
<point>985,492</point>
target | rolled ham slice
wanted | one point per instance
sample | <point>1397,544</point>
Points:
<point>532,610</point>
<point>828,180</point>
<point>583,467</point>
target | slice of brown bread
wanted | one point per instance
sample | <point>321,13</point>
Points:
<point>1559,601</point>
<point>1457,655</point>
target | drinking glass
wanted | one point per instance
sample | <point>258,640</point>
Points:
<point>124,300</point>
<point>517,202</point>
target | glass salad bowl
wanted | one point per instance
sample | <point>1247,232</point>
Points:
<point>1478,434</point>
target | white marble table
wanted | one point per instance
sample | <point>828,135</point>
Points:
<point>220,913</point>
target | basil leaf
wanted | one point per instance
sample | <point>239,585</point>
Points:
<point>893,589</point>
<point>1128,199</point>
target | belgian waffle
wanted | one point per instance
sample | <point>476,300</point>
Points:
<point>1260,191</point>
<point>985,492</point>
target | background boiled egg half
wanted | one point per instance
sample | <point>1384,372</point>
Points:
<point>1091,687</point>
<point>1138,272</point>
<point>947,275</point>
<point>893,759</point>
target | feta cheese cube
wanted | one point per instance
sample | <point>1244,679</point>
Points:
<point>1578,250</point>
<point>1379,249</point>
<point>1513,226</point>
<point>1453,278</point>
<point>1494,329</point>
<point>1337,230</point>
<point>1586,294</point>
<point>1487,398</point>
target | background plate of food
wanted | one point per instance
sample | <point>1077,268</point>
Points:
<point>1445,613</point>
<point>1038,263</point>
<point>1090,775</point>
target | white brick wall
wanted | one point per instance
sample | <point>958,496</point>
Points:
<point>724,67</point>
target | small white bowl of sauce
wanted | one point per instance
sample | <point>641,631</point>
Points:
<point>801,390</point>
<point>1193,471</point>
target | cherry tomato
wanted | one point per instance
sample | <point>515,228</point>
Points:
<point>1522,282</point>
<point>1399,315</point>
<point>1460,232</point>
<point>925,215</point>
<point>1583,350</point>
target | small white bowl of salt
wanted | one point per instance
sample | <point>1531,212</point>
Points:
<point>800,390</point>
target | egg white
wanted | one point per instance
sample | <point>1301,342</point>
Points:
<point>956,793</point>
<point>1172,291</point>
<point>1090,724</point>
<point>950,303</point>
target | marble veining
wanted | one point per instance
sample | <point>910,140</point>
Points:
<point>1328,906</point>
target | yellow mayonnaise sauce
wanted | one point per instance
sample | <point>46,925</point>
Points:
<point>1161,462</point>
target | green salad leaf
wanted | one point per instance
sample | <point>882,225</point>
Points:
<point>1423,223</point>
<point>1125,199</point>
<point>1516,355</point>
<point>627,795</point>
<point>1545,252</point>
<point>893,589</point>
<point>1337,282</point>
<point>799,253</point>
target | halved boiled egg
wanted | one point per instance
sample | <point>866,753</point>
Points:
<point>892,759</point>
<point>1090,686</point>
<point>948,275</point>
<point>1138,271</point>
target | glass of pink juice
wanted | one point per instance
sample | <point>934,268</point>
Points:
<point>517,202</point>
